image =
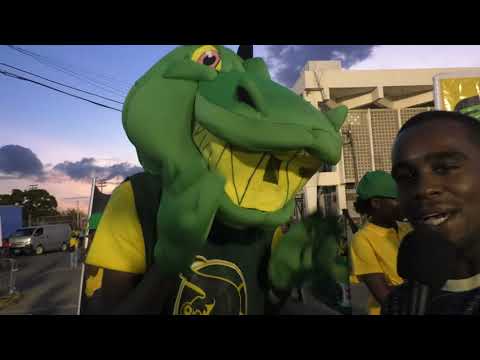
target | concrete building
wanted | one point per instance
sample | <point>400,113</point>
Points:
<point>379,102</point>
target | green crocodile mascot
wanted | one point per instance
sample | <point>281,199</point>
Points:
<point>225,149</point>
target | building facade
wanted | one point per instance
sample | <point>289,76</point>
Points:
<point>379,102</point>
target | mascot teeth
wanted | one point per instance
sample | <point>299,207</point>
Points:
<point>256,180</point>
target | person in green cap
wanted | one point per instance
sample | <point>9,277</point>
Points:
<point>374,248</point>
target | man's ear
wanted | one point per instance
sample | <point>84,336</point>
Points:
<point>375,203</point>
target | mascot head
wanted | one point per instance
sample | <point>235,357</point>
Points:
<point>204,108</point>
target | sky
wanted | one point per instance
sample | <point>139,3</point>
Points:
<point>59,142</point>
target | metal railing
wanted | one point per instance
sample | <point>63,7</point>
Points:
<point>299,207</point>
<point>8,270</point>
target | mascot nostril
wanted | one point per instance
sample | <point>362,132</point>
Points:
<point>244,97</point>
<point>195,229</point>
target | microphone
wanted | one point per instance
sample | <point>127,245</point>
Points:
<point>426,260</point>
<point>418,301</point>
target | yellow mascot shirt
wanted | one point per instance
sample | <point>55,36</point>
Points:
<point>119,241</point>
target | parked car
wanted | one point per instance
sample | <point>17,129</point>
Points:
<point>38,239</point>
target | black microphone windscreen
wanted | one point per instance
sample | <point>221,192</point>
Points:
<point>426,257</point>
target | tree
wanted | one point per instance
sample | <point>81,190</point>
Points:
<point>77,217</point>
<point>35,202</point>
<point>73,213</point>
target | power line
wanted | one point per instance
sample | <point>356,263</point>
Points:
<point>61,84</point>
<point>60,68</point>
<point>109,79</point>
<point>15,76</point>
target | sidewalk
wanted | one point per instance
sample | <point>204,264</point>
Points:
<point>47,285</point>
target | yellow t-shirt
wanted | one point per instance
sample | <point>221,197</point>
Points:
<point>118,243</point>
<point>73,242</point>
<point>374,249</point>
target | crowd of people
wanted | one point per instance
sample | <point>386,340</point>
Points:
<point>431,192</point>
<point>192,232</point>
<point>431,197</point>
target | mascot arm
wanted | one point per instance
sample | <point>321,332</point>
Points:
<point>307,252</point>
<point>116,280</point>
<point>184,220</point>
<point>289,258</point>
<point>117,292</point>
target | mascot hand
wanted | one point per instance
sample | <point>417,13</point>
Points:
<point>184,219</point>
<point>291,258</point>
<point>329,267</point>
<point>309,251</point>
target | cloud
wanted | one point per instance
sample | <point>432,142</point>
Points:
<point>420,56</point>
<point>339,55</point>
<point>286,61</point>
<point>18,161</point>
<point>87,168</point>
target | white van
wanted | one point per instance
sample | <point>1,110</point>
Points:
<point>41,238</point>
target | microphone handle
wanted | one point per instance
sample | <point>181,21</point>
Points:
<point>418,298</point>
<point>424,291</point>
<point>412,310</point>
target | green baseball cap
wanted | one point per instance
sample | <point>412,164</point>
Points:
<point>469,106</point>
<point>377,184</point>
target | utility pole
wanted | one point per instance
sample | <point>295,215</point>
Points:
<point>76,219</point>
<point>85,244</point>
<point>101,183</point>
<point>78,214</point>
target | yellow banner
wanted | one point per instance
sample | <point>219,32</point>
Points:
<point>459,94</point>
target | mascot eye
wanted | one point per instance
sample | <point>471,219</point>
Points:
<point>210,59</point>
<point>207,55</point>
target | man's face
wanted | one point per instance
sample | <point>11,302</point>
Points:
<point>437,170</point>
<point>388,209</point>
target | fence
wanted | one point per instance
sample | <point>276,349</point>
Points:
<point>299,207</point>
<point>368,139</point>
<point>73,221</point>
<point>8,269</point>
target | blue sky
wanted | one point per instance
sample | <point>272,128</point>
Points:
<point>56,128</point>
<point>37,117</point>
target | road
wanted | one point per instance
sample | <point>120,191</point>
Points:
<point>47,285</point>
<point>359,297</point>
